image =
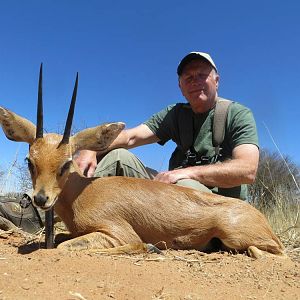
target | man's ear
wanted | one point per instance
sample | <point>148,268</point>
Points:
<point>96,138</point>
<point>217,79</point>
<point>17,128</point>
<point>179,85</point>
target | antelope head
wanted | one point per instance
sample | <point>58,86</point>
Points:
<point>50,155</point>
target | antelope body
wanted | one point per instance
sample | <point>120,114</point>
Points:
<point>121,214</point>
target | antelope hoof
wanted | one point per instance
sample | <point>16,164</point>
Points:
<point>256,253</point>
<point>76,245</point>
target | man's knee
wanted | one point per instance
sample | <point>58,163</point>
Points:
<point>120,154</point>
<point>121,162</point>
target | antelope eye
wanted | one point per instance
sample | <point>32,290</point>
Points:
<point>65,167</point>
<point>30,165</point>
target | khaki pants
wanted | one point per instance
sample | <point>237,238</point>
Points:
<point>121,162</point>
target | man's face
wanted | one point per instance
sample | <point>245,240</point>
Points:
<point>199,84</point>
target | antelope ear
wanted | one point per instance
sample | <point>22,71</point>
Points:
<point>96,138</point>
<point>16,128</point>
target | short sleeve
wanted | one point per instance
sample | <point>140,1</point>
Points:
<point>162,124</point>
<point>242,126</point>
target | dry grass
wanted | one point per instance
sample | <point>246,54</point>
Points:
<point>285,221</point>
<point>276,194</point>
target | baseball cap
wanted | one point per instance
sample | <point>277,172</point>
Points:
<point>192,56</point>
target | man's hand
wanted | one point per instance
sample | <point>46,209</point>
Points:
<point>241,169</point>
<point>173,176</point>
<point>87,162</point>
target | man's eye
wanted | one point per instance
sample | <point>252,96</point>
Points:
<point>188,79</point>
<point>202,76</point>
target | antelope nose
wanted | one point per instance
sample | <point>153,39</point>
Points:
<point>40,199</point>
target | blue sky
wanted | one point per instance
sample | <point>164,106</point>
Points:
<point>126,53</point>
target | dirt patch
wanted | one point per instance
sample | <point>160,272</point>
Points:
<point>29,272</point>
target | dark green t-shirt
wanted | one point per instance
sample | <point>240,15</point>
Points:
<point>180,124</point>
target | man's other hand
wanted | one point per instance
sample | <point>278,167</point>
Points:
<point>173,176</point>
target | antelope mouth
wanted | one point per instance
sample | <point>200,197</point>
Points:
<point>47,206</point>
<point>50,205</point>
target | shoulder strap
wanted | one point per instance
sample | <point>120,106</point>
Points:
<point>220,116</point>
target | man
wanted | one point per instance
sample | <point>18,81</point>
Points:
<point>190,127</point>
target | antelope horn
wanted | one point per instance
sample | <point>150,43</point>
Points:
<point>39,122</point>
<point>68,126</point>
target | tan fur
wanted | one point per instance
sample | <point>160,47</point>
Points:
<point>120,214</point>
<point>15,127</point>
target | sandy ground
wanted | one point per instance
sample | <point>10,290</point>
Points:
<point>27,271</point>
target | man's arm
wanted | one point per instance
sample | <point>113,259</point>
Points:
<point>134,137</point>
<point>241,169</point>
<point>128,138</point>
